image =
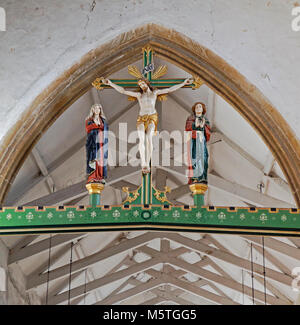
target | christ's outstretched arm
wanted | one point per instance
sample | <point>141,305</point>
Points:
<point>120,89</point>
<point>187,81</point>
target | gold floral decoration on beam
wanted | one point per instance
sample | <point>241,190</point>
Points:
<point>161,195</point>
<point>131,195</point>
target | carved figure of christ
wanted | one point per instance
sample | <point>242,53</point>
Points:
<point>147,119</point>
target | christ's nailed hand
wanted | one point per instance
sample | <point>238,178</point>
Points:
<point>189,81</point>
<point>105,81</point>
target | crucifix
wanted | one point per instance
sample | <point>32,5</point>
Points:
<point>150,88</point>
<point>148,208</point>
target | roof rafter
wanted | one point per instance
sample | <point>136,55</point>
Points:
<point>41,246</point>
<point>228,257</point>
<point>277,245</point>
<point>92,259</point>
<point>234,189</point>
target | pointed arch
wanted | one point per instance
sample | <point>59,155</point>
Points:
<point>126,49</point>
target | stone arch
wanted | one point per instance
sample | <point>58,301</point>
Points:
<point>124,50</point>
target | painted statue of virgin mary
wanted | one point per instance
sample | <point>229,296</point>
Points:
<point>197,151</point>
<point>96,145</point>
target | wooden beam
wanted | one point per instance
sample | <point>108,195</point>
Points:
<point>245,193</point>
<point>76,201</point>
<point>179,273</point>
<point>272,289</point>
<point>158,108</point>
<point>59,197</point>
<point>181,103</point>
<point>59,161</point>
<point>227,257</point>
<point>280,182</point>
<point>53,259</point>
<point>78,189</point>
<point>236,190</point>
<point>77,301</point>
<point>153,301</point>
<point>43,168</point>
<point>112,270</point>
<point>264,169</point>
<point>172,254</point>
<point>120,287</point>
<point>60,253</point>
<point>122,112</point>
<point>211,240</point>
<point>179,300</point>
<point>169,176</point>
<point>211,101</point>
<point>179,192</point>
<point>176,252</point>
<point>160,179</point>
<point>22,243</point>
<point>295,241</point>
<point>92,259</point>
<point>169,295</point>
<point>230,283</point>
<point>190,288</point>
<point>239,150</point>
<point>271,258</point>
<point>277,245</point>
<point>106,279</point>
<point>126,294</point>
<point>41,246</point>
<point>120,184</point>
<point>55,290</point>
<point>164,245</point>
<point>139,289</point>
<point>201,282</point>
<point>130,292</point>
<point>154,253</point>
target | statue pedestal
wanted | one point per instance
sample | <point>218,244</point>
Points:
<point>95,190</point>
<point>198,190</point>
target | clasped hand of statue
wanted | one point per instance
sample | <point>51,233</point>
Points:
<point>200,121</point>
<point>97,120</point>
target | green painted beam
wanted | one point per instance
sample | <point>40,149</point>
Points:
<point>160,83</point>
<point>234,220</point>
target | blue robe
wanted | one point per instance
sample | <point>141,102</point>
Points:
<point>96,150</point>
<point>197,151</point>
